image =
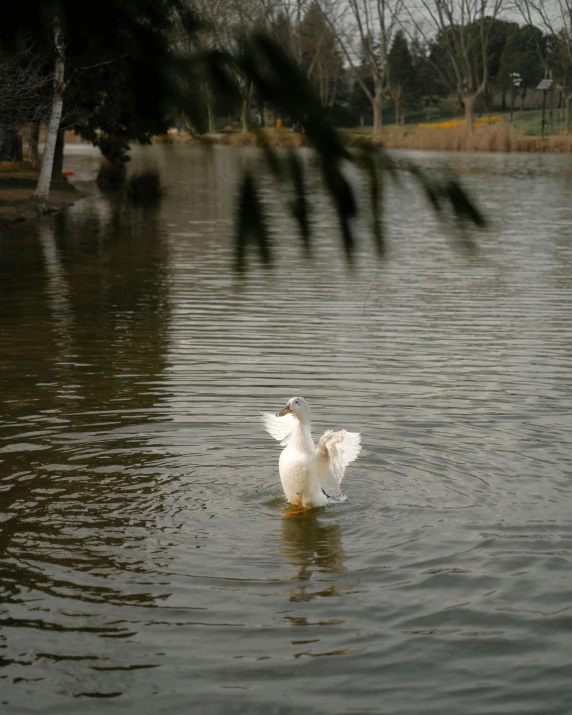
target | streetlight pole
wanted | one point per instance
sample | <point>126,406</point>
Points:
<point>516,81</point>
<point>544,85</point>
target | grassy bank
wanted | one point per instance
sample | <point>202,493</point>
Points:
<point>17,184</point>
<point>494,138</point>
<point>498,137</point>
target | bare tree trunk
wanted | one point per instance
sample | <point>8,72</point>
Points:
<point>43,188</point>
<point>210,117</point>
<point>244,115</point>
<point>9,147</point>
<point>568,121</point>
<point>34,141</point>
<point>397,95</point>
<point>378,110</point>
<point>377,122</point>
<point>332,100</point>
<point>245,109</point>
<point>59,155</point>
<point>489,90</point>
<point>57,288</point>
<point>469,103</point>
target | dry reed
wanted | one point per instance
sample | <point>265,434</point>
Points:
<point>499,137</point>
<point>496,138</point>
<point>174,138</point>
<point>271,137</point>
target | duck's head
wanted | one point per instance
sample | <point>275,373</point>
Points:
<point>298,407</point>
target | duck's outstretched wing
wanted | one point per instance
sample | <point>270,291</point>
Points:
<point>279,427</point>
<point>334,452</point>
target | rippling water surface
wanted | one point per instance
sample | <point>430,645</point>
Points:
<point>145,562</point>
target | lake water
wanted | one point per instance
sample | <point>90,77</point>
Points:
<point>146,565</point>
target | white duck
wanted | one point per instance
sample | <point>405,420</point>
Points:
<point>310,476</point>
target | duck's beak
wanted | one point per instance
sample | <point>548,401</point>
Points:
<point>285,411</point>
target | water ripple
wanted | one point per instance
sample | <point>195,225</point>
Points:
<point>143,551</point>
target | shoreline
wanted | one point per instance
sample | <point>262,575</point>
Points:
<point>18,180</point>
<point>497,138</point>
<point>17,185</point>
<point>501,137</point>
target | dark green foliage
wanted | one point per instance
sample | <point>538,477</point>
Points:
<point>122,73</point>
<point>102,107</point>
<point>523,52</point>
<point>500,34</point>
<point>344,117</point>
<point>138,27</point>
<point>320,55</point>
<point>402,71</point>
<point>430,86</point>
<point>510,48</point>
<point>456,56</point>
<point>559,58</point>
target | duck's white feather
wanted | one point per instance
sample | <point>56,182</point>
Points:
<point>280,428</point>
<point>310,476</point>
<point>334,452</point>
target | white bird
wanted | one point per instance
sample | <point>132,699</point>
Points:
<point>310,476</point>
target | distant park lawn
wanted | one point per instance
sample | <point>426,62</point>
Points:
<point>522,134</point>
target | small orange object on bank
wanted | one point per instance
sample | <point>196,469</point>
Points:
<point>68,172</point>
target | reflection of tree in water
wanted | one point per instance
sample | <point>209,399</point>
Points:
<point>85,314</point>
<point>116,264</point>
<point>312,546</point>
<point>105,271</point>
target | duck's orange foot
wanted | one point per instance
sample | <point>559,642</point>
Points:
<point>294,509</point>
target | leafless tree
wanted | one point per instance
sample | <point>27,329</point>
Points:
<point>299,26</point>
<point>23,90</point>
<point>459,30</point>
<point>365,29</point>
<point>24,99</point>
<point>321,55</point>
<point>282,19</point>
<point>397,93</point>
<point>226,23</point>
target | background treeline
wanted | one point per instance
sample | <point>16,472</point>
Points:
<point>130,69</point>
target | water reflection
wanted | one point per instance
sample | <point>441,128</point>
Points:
<point>57,291</point>
<point>312,546</point>
<point>107,310</point>
<point>85,319</point>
